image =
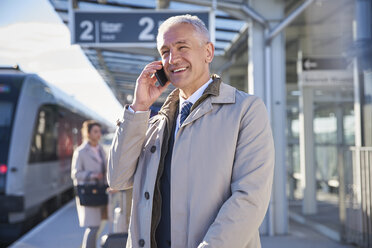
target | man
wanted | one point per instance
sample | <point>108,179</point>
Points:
<point>202,179</point>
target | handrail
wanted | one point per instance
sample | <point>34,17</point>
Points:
<point>361,148</point>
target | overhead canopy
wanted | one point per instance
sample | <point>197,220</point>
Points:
<point>120,67</point>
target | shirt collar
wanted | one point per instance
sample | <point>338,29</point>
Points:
<point>196,95</point>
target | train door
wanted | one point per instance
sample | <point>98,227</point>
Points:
<point>325,133</point>
<point>41,181</point>
<point>10,87</point>
<point>333,135</point>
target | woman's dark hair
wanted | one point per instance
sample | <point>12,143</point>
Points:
<point>87,127</point>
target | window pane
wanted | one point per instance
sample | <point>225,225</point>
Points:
<point>6,110</point>
<point>44,142</point>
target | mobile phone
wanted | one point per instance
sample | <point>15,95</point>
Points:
<point>162,78</point>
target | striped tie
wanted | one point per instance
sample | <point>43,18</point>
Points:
<point>185,111</point>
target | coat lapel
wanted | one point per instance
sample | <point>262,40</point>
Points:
<point>90,153</point>
<point>215,93</point>
<point>204,108</point>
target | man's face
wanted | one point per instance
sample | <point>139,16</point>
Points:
<point>185,56</point>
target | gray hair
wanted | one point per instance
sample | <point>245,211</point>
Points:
<point>198,25</point>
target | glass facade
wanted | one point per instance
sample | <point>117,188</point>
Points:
<point>328,56</point>
<point>317,45</point>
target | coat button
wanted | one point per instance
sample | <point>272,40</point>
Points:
<point>141,243</point>
<point>118,122</point>
<point>153,149</point>
<point>147,195</point>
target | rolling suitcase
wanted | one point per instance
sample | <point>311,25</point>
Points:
<point>114,240</point>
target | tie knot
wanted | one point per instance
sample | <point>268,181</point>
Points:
<point>185,111</point>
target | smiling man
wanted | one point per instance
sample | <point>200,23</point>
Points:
<point>202,169</point>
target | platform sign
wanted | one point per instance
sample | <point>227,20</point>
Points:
<point>122,28</point>
<point>318,72</point>
<point>315,64</point>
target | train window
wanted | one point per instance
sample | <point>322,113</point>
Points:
<point>56,134</point>
<point>6,110</point>
<point>68,136</point>
<point>44,141</point>
<point>6,113</point>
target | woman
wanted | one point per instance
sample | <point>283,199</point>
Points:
<point>88,165</point>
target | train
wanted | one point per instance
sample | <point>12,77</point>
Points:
<point>39,130</point>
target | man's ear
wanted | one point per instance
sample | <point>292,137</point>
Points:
<point>209,52</point>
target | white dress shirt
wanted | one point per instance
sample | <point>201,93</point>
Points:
<point>193,98</point>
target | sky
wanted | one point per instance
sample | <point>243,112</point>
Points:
<point>33,36</point>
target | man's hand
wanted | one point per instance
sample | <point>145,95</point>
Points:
<point>146,91</point>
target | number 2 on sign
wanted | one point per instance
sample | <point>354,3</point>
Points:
<point>88,28</point>
<point>146,35</point>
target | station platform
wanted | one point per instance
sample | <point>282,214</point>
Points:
<point>62,230</point>
<point>301,236</point>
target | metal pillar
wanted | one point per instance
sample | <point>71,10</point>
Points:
<point>162,4</point>
<point>279,116</point>
<point>274,94</point>
<point>256,62</point>
<point>308,169</point>
<point>256,86</point>
<point>363,35</point>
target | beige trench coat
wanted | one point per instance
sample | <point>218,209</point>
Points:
<point>221,174</point>
<point>83,163</point>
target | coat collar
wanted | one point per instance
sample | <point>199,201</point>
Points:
<point>170,105</point>
<point>88,149</point>
<point>216,93</point>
